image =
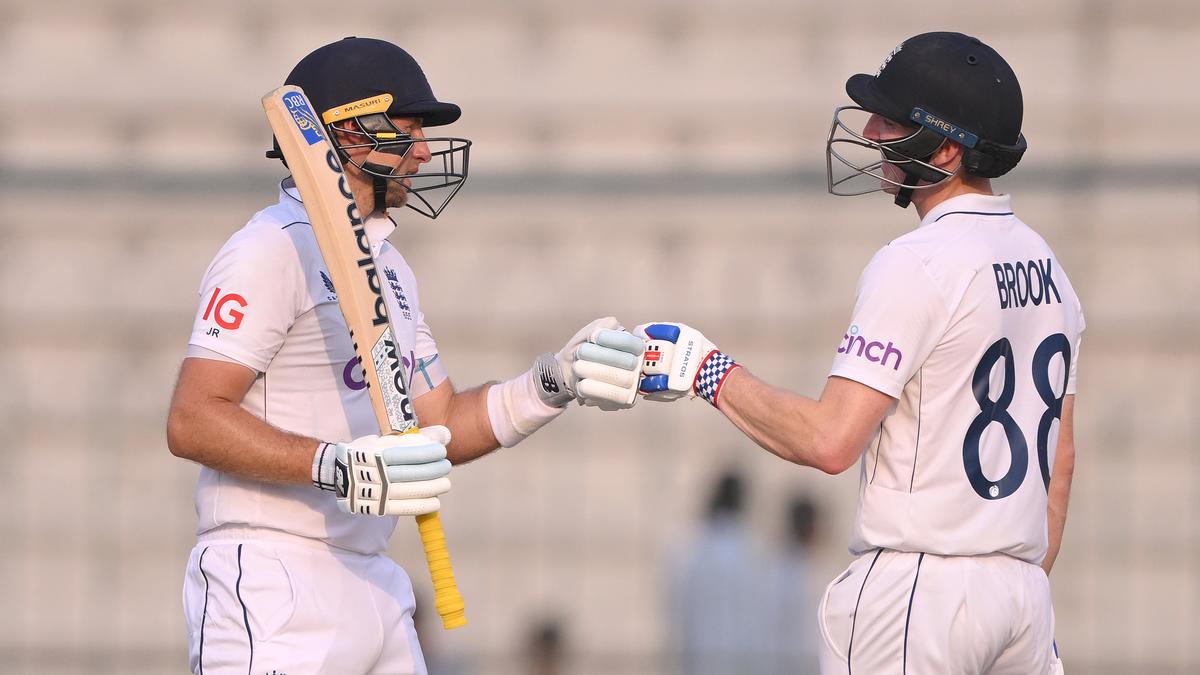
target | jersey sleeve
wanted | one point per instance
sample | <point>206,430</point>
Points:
<point>899,316</point>
<point>1070,389</point>
<point>428,371</point>
<point>249,298</point>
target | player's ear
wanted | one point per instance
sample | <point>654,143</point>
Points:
<point>948,156</point>
<point>340,133</point>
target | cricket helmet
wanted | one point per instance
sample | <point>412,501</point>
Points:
<point>944,86</point>
<point>370,81</point>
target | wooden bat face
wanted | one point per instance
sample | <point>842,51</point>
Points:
<point>338,226</point>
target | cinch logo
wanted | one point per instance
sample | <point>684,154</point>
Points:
<point>228,319</point>
<point>857,345</point>
<point>351,373</point>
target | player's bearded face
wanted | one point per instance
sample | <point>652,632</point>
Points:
<point>417,154</point>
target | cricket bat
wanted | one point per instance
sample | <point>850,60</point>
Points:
<point>338,226</point>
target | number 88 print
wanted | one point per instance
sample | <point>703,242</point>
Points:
<point>997,411</point>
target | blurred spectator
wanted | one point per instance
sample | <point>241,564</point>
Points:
<point>716,617</point>
<point>792,637</point>
<point>544,649</point>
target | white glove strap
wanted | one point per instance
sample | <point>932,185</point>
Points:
<point>516,411</point>
<point>322,469</point>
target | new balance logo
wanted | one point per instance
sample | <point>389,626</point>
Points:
<point>548,381</point>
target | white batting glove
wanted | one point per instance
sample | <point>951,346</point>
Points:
<point>679,361</point>
<point>597,367</point>
<point>393,475</point>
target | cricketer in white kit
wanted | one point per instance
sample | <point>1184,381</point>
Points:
<point>956,375</point>
<point>288,575</point>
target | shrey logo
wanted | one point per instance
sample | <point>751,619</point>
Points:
<point>854,344</point>
<point>303,116</point>
<point>888,59</point>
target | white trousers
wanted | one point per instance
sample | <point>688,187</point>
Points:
<point>901,613</point>
<point>255,606</point>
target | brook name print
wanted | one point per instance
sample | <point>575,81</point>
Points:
<point>1026,283</point>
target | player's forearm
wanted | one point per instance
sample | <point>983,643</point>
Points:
<point>222,436</point>
<point>1057,499</point>
<point>470,429</point>
<point>784,423</point>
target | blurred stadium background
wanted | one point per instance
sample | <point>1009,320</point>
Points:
<point>132,144</point>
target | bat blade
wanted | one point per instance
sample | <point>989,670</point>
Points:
<point>338,225</point>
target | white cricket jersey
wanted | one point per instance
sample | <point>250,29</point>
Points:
<point>267,302</point>
<point>971,323</point>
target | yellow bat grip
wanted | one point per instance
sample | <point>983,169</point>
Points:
<point>446,598</point>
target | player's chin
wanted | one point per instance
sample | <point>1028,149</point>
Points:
<point>397,196</point>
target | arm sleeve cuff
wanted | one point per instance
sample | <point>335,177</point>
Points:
<point>516,411</point>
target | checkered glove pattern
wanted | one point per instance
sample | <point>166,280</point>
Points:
<point>712,375</point>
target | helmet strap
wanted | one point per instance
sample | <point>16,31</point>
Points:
<point>904,194</point>
<point>379,188</point>
<point>379,181</point>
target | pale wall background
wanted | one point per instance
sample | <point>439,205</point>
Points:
<point>131,141</point>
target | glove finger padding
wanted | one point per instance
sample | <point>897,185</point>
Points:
<point>436,433</point>
<point>418,489</point>
<point>403,473</point>
<point>607,356</point>
<point>618,377</point>
<point>606,396</point>
<point>413,454</point>
<point>620,340</point>
<point>396,474</point>
<point>607,370</point>
<point>411,507</point>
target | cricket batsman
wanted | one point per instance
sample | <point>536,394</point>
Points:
<point>289,573</point>
<point>953,386</point>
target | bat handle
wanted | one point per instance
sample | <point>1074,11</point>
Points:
<point>446,598</point>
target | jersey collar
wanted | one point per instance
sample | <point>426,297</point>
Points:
<point>378,226</point>
<point>971,204</point>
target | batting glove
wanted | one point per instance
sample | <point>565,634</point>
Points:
<point>679,361</point>
<point>597,367</point>
<point>393,475</point>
